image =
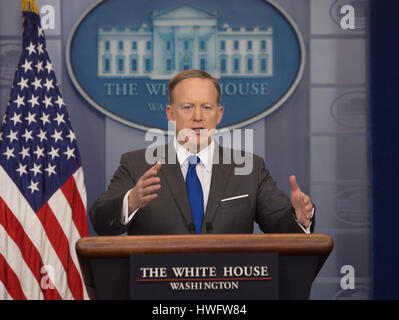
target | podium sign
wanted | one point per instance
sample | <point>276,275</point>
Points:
<point>112,265</point>
<point>204,276</point>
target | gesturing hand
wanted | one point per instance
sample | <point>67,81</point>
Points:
<point>301,203</point>
<point>145,188</point>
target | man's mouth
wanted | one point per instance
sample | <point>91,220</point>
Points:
<point>197,130</point>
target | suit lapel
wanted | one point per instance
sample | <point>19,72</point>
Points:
<point>175,181</point>
<point>220,176</point>
<point>174,178</point>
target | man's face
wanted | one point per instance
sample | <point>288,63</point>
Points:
<point>195,112</point>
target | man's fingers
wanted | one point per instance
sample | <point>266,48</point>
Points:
<point>157,166</point>
<point>306,223</point>
<point>307,204</point>
<point>150,197</point>
<point>150,181</point>
<point>153,171</point>
<point>144,196</point>
<point>301,202</point>
<point>151,189</point>
<point>304,220</point>
<point>293,184</point>
<point>145,200</point>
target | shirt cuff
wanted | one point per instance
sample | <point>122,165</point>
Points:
<point>125,218</point>
<point>306,230</point>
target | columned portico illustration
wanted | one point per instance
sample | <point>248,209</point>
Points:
<point>181,38</point>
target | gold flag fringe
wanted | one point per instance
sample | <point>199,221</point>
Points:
<point>29,5</point>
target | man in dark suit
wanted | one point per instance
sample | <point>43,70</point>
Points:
<point>196,187</point>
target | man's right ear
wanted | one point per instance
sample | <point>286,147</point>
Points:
<point>169,113</point>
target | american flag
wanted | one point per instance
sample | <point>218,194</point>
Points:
<point>42,191</point>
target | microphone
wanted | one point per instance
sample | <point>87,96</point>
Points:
<point>191,227</point>
<point>209,227</point>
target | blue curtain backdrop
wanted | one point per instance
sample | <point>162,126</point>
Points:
<point>384,84</point>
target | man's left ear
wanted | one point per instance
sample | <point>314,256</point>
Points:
<point>220,113</point>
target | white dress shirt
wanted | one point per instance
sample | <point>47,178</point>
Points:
<point>204,173</point>
<point>203,168</point>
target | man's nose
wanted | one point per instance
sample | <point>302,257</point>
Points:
<point>197,114</point>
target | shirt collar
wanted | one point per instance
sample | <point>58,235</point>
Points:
<point>205,155</point>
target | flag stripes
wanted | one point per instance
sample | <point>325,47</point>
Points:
<point>8,279</point>
<point>74,198</point>
<point>63,262</point>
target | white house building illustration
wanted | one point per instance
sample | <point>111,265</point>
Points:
<point>182,38</point>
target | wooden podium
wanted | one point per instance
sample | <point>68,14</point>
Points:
<point>300,257</point>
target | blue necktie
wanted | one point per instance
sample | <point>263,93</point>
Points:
<point>195,194</point>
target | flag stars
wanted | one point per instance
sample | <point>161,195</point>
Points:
<point>9,153</point>
<point>42,135</point>
<point>24,153</point>
<point>47,101</point>
<point>27,66</point>
<point>40,50</point>
<point>60,101</point>
<point>23,83</point>
<point>44,118</point>
<point>57,135</point>
<point>16,118</point>
<point>40,31</point>
<point>53,153</point>
<point>27,135</point>
<point>36,169</point>
<point>39,152</point>
<point>39,66</point>
<point>19,101</point>
<point>33,187</point>
<point>21,169</point>
<point>59,119</point>
<point>70,153</point>
<point>49,84</point>
<point>33,100</point>
<point>12,136</point>
<point>30,118</point>
<point>49,67</point>
<point>37,133</point>
<point>31,48</point>
<point>37,83</point>
<point>50,170</point>
<point>71,136</point>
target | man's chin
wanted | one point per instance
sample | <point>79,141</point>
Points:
<point>196,144</point>
<point>194,141</point>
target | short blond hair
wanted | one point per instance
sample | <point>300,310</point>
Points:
<point>192,73</point>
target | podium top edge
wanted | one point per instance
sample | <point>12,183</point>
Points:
<point>283,244</point>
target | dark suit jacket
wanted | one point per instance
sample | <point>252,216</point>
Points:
<point>170,212</point>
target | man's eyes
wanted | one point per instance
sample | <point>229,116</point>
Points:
<point>190,107</point>
<point>187,109</point>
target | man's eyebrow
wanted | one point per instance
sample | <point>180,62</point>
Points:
<point>202,104</point>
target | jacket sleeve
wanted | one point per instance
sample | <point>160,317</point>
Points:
<point>274,212</point>
<point>105,213</point>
